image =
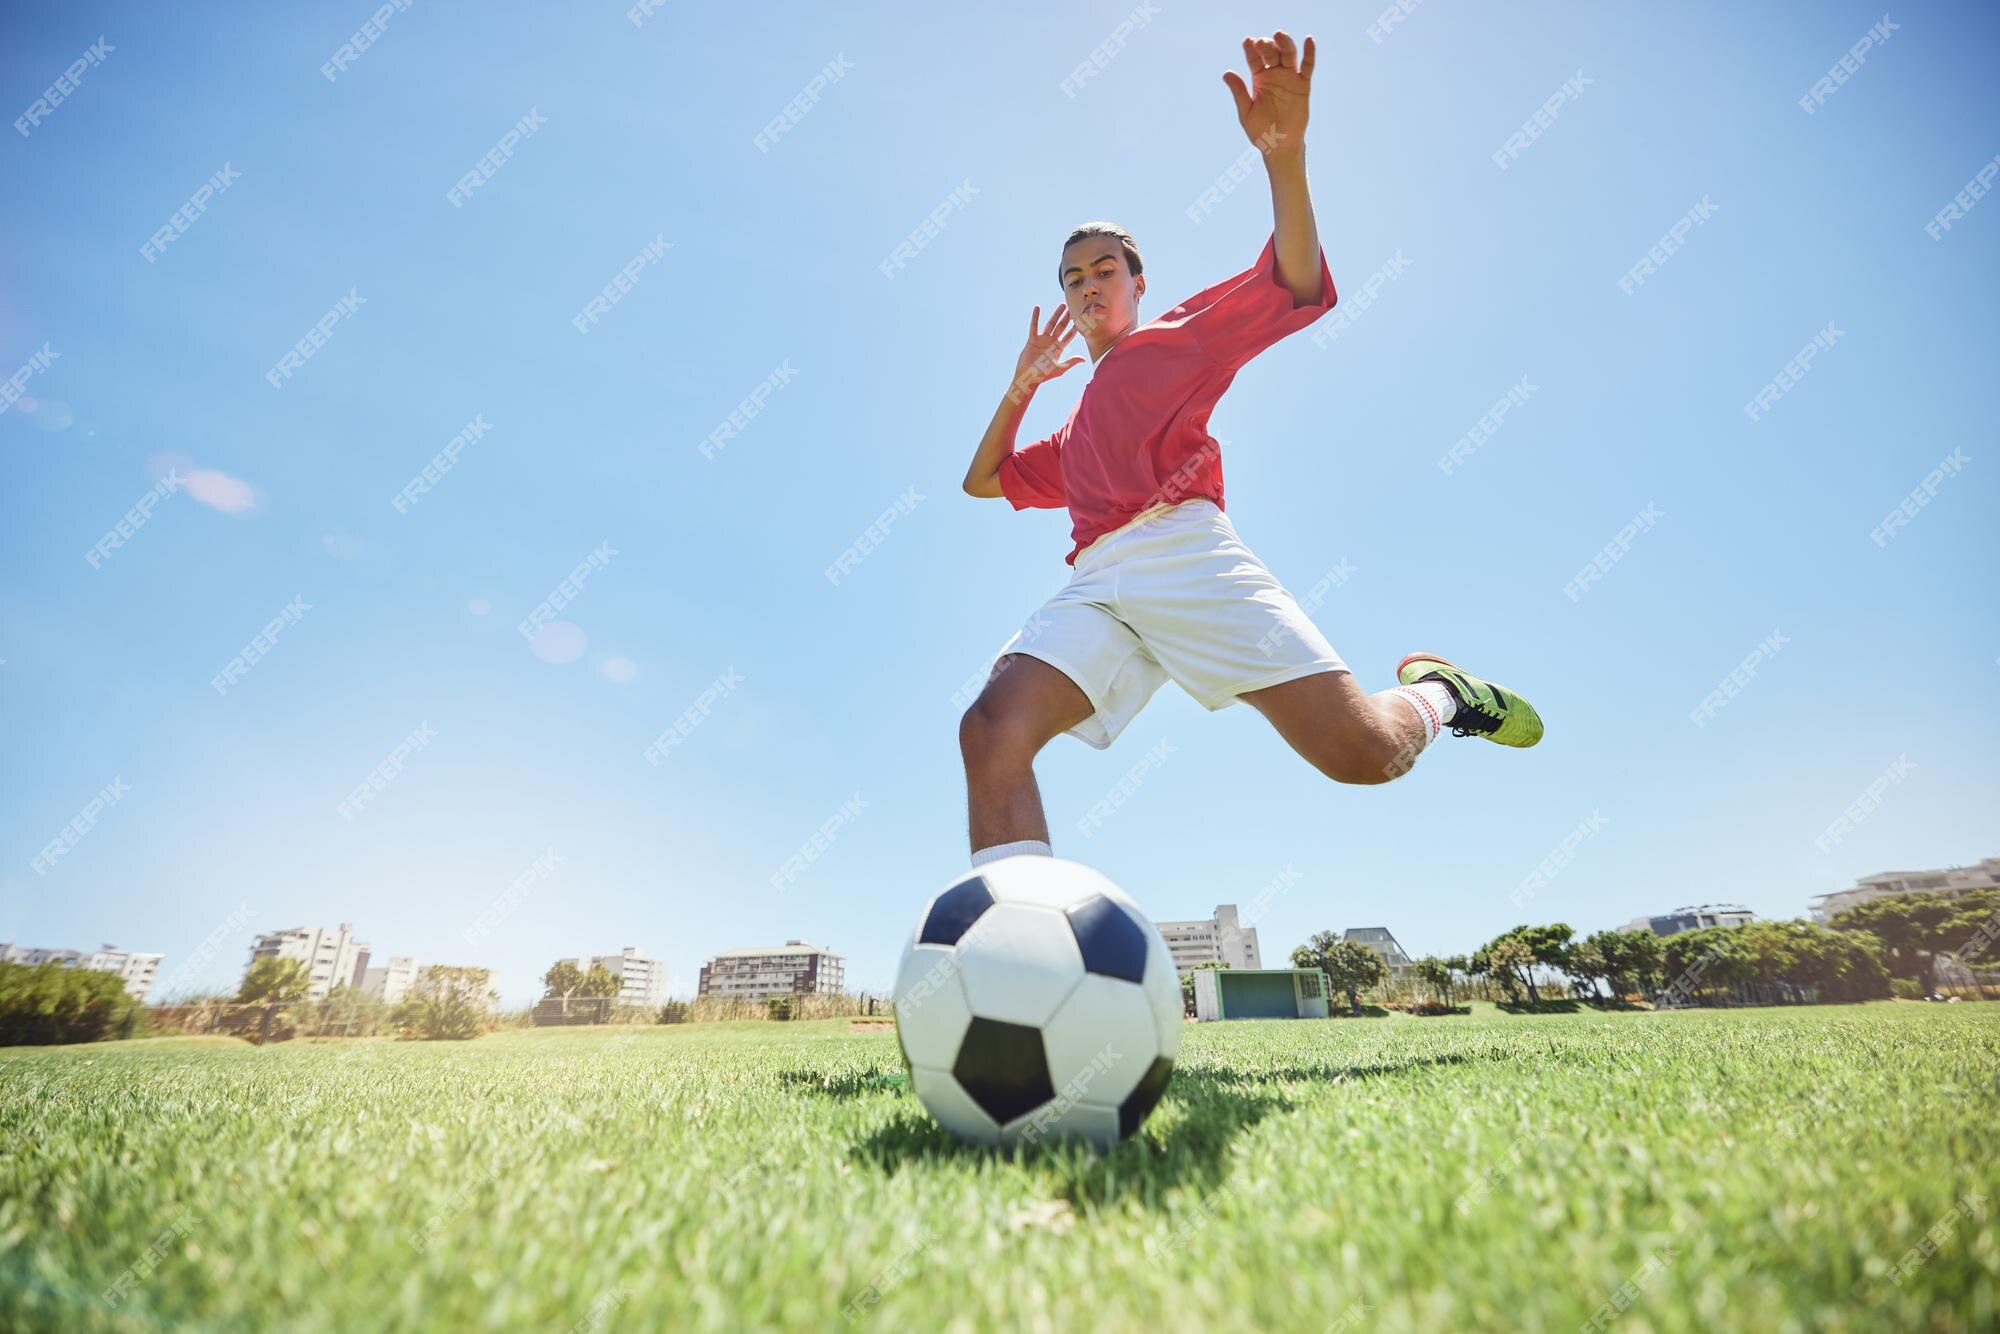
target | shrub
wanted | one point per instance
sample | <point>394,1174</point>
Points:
<point>447,1003</point>
<point>778,1007</point>
<point>50,1003</point>
<point>725,1009</point>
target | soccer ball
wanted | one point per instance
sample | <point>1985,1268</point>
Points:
<point>1035,1001</point>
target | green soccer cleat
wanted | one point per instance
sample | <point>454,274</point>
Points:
<point>1484,709</point>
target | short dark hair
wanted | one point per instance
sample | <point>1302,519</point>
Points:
<point>1116,233</point>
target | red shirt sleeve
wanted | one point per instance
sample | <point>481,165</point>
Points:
<point>1241,316</point>
<point>1031,476</point>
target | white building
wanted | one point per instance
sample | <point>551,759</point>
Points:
<point>1218,939</point>
<point>1694,918</point>
<point>331,958</point>
<point>138,971</point>
<point>796,968</point>
<point>1383,942</point>
<point>1952,880</point>
<point>642,981</point>
<point>392,981</point>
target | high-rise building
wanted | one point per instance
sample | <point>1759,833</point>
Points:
<point>642,981</point>
<point>138,971</point>
<point>1219,939</point>
<point>1951,880</point>
<point>1381,941</point>
<point>1693,919</point>
<point>331,958</point>
<point>796,968</point>
<point>391,982</point>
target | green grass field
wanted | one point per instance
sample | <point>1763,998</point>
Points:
<point>1756,1170</point>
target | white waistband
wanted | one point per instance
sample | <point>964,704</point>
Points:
<point>1145,516</point>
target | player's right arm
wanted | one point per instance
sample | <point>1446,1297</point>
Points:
<point>1038,362</point>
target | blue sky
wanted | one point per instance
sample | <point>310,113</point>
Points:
<point>841,707</point>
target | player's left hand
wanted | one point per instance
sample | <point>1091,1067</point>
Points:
<point>1272,110</point>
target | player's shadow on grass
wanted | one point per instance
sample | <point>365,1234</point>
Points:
<point>1183,1146</point>
<point>1334,1072</point>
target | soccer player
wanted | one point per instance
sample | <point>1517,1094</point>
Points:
<point>1162,587</point>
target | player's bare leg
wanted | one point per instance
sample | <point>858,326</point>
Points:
<point>1354,737</point>
<point>1025,705</point>
<point>1340,729</point>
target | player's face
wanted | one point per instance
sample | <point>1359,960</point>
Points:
<point>1102,295</point>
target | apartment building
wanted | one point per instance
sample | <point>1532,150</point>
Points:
<point>391,982</point>
<point>1219,939</point>
<point>796,968</point>
<point>1693,919</point>
<point>642,981</point>
<point>1383,942</point>
<point>137,971</point>
<point>331,958</point>
<point>1952,880</point>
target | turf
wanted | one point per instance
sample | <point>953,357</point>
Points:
<point>1734,1170</point>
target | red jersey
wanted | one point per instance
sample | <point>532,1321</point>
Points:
<point>1139,434</point>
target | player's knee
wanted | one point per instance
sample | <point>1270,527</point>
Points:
<point>989,738</point>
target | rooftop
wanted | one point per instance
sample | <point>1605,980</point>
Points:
<point>789,947</point>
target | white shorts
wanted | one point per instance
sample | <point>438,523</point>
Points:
<point>1174,594</point>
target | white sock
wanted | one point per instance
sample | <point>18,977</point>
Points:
<point>1030,847</point>
<point>1433,704</point>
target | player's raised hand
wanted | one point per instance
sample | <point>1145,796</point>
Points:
<point>1039,360</point>
<point>1272,110</point>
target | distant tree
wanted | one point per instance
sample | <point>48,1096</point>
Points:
<point>1349,966</point>
<point>1640,957</point>
<point>674,1012</point>
<point>563,980</point>
<point>274,982</point>
<point>1479,964</point>
<point>1187,985</point>
<point>1434,973</point>
<point>1587,964</point>
<point>600,983</point>
<point>1834,965</point>
<point>277,985</point>
<point>1774,952</point>
<point>1799,960</point>
<point>446,1003</point>
<point>1915,928</point>
<point>1549,945</point>
<point>1708,960</point>
<point>1510,960</point>
<point>1975,933</point>
<point>1861,973</point>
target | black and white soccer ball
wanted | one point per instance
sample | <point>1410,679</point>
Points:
<point>1035,1001</point>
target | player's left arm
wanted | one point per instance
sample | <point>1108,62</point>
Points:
<point>1272,111</point>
